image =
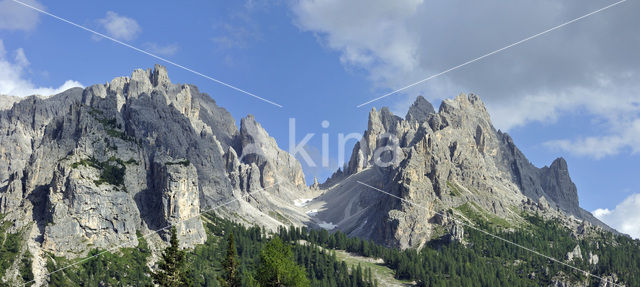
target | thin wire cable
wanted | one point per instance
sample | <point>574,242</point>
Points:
<point>148,53</point>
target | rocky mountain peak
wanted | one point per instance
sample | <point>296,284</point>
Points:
<point>465,106</point>
<point>560,165</point>
<point>452,157</point>
<point>258,148</point>
<point>160,77</point>
<point>95,166</point>
<point>557,185</point>
<point>419,110</point>
<point>155,77</point>
<point>251,132</point>
<point>151,80</point>
<point>382,121</point>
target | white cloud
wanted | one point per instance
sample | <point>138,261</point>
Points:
<point>120,27</point>
<point>13,80</point>
<point>590,67</point>
<point>14,16</point>
<point>236,33</point>
<point>164,50</point>
<point>368,33</point>
<point>625,217</point>
<point>21,58</point>
<point>628,137</point>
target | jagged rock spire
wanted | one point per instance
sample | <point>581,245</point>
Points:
<point>420,110</point>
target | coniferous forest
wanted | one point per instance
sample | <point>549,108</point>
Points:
<point>236,255</point>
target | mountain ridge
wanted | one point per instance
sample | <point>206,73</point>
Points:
<point>435,153</point>
<point>100,165</point>
<point>95,167</point>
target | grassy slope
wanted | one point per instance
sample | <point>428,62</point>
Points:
<point>384,274</point>
<point>381,272</point>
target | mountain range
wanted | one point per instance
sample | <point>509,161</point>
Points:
<point>97,167</point>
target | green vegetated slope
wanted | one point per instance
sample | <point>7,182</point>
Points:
<point>337,260</point>
<point>10,246</point>
<point>323,268</point>
<point>382,273</point>
<point>127,268</point>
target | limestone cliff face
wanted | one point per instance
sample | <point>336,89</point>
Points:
<point>449,160</point>
<point>6,102</point>
<point>100,165</point>
<point>270,178</point>
<point>258,148</point>
<point>91,168</point>
<point>177,184</point>
<point>82,211</point>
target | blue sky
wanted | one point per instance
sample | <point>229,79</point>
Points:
<point>569,93</point>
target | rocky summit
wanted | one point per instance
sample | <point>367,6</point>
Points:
<point>439,165</point>
<point>94,167</point>
<point>98,167</point>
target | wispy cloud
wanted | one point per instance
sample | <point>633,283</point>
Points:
<point>625,217</point>
<point>627,137</point>
<point>239,28</point>
<point>235,36</point>
<point>120,27</point>
<point>14,16</point>
<point>13,76</point>
<point>589,67</point>
<point>164,50</point>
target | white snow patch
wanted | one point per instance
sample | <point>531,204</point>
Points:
<point>312,212</point>
<point>302,202</point>
<point>327,225</point>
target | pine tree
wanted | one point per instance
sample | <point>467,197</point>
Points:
<point>277,266</point>
<point>230,277</point>
<point>171,271</point>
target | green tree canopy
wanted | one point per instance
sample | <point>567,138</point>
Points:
<point>230,276</point>
<point>278,268</point>
<point>171,269</point>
